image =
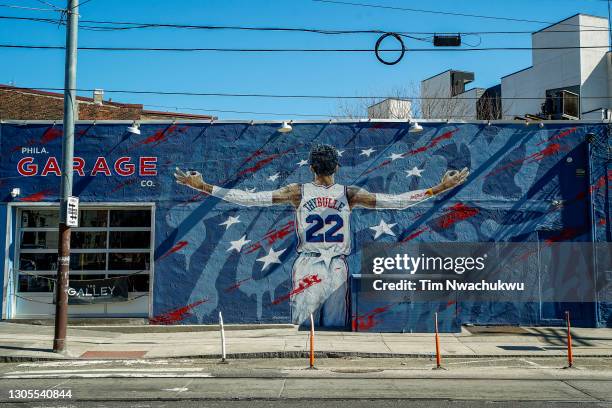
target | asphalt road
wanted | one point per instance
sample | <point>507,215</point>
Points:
<point>311,403</point>
<point>351,383</point>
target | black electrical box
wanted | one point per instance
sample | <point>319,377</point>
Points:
<point>447,40</point>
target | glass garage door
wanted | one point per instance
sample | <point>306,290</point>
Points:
<point>110,242</point>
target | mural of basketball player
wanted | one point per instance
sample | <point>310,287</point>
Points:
<point>323,210</point>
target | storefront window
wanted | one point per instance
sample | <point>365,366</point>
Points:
<point>113,240</point>
<point>130,239</point>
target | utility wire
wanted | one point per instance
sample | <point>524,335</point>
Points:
<point>286,114</point>
<point>27,8</point>
<point>313,50</point>
<point>281,96</point>
<point>119,26</point>
<point>449,13</point>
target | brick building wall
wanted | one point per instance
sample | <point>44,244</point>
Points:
<point>31,104</point>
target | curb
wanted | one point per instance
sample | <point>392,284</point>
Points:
<point>305,355</point>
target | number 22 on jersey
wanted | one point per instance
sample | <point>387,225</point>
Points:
<point>331,225</point>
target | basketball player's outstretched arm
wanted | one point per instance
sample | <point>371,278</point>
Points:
<point>359,197</point>
<point>288,195</point>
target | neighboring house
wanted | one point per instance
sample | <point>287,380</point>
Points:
<point>444,96</point>
<point>570,83</point>
<point>574,82</point>
<point>391,108</point>
<point>33,104</point>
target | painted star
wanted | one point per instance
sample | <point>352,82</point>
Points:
<point>231,221</point>
<point>326,256</point>
<point>272,258</point>
<point>302,163</point>
<point>414,172</point>
<point>367,152</point>
<point>274,177</point>
<point>383,228</point>
<point>237,245</point>
<point>395,156</point>
<point>340,152</point>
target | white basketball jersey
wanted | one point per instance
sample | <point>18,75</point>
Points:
<point>323,219</point>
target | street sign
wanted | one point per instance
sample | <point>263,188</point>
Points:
<point>72,212</point>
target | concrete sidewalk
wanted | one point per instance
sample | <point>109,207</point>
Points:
<point>25,342</point>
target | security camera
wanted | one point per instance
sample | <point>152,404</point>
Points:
<point>15,192</point>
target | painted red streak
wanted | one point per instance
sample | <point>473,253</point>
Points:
<point>381,165</point>
<point>272,236</point>
<point>304,284</point>
<point>237,285</point>
<point>600,183</point>
<point>368,320</point>
<point>50,135</point>
<point>564,235</point>
<point>197,197</point>
<point>175,316</point>
<point>123,184</point>
<point>415,234</point>
<point>259,165</point>
<point>255,154</point>
<point>263,162</point>
<point>253,248</point>
<point>177,247</point>
<point>456,213</point>
<point>160,136</point>
<point>602,221</point>
<point>548,151</point>
<point>41,195</point>
<point>434,142</point>
<point>558,136</point>
<point>377,125</point>
<point>281,233</point>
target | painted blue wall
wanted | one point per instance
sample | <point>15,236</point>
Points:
<point>518,172</point>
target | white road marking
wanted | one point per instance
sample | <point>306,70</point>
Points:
<point>179,389</point>
<point>80,363</point>
<point>107,370</point>
<point>481,361</point>
<point>111,375</point>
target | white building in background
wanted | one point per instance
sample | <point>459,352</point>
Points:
<point>571,83</point>
<point>574,82</point>
<point>443,96</point>
<point>391,108</point>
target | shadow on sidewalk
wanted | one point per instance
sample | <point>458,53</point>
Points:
<point>46,350</point>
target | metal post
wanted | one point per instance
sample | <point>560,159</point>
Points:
<point>438,357</point>
<point>223,356</point>
<point>70,113</point>
<point>312,366</point>
<point>570,354</point>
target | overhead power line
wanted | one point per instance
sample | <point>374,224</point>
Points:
<point>264,95</point>
<point>14,6</point>
<point>312,50</point>
<point>451,13</point>
<point>101,25</point>
<point>284,114</point>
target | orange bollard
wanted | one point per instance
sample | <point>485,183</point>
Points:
<point>570,355</point>
<point>311,342</point>
<point>438,357</point>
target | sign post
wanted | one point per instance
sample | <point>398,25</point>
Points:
<point>67,203</point>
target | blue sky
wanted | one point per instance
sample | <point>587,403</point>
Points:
<point>327,74</point>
